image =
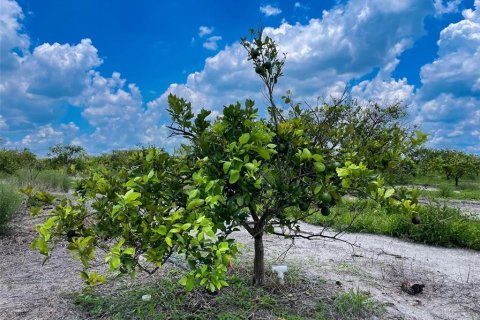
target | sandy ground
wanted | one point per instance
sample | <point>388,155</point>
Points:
<point>29,290</point>
<point>378,265</point>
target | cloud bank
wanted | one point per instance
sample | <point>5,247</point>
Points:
<point>348,42</point>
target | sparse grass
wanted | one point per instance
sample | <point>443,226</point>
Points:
<point>54,180</point>
<point>45,180</point>
<point>451,193</point>
<point>440,225</point>
<point>297,299</point>
<point>349,305</point>
<point>10,202</point>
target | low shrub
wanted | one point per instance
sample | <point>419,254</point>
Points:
<point>10,202</point>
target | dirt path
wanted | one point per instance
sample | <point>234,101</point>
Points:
<point>379,265</point>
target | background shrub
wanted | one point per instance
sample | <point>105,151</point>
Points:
<point>439,224</point>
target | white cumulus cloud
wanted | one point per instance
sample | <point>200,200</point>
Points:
<point>270,10</point>
<point>449,98</point>
<point>211,43</point>
<point>204,30</point>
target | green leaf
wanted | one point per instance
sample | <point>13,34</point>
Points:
<point>346,183</point>
<point>195,203</point>
<point>130,251</point>
<point>226,166</point>
<point>151,173</point>
<point>183,281</point>
<point>234,176</point>
<point>131,196</point>
<point>264,153</point>
<point>84,275</point>
<point>190,283</point>
<point>389,193</point>
<point>161,230</point>
<point>319,167</point>
<point>343,172</point>
<point>115,262</point>
<point>244,138</point>
<point>168,241</point>
<point>306,154</point>
<point>250,166</point>
<point>193,194</point>
<point>240,201</point>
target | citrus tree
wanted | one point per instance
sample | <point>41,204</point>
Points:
<point>372,134</point>
<point>237,171</point>
<point>454,164</point>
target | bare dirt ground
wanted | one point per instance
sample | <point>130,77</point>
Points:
<point>29,290</point>
<point>380,264</point>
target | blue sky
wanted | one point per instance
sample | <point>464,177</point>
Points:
<point>97,73</point>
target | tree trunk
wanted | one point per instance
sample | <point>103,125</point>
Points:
<point>456,181</point>
<point>259,263</point>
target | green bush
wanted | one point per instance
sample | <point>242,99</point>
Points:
<point>13,160</point>
<point>10,201</point>
<point>439,224</point>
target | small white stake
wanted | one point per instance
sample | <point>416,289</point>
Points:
<point>280,270</point>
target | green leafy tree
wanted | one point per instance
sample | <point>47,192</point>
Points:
<point>372,134</point>
<point>455,164</point>
<point>237,171</point>
<point>69,156</point>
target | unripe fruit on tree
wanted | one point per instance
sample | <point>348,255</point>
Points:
<point>326,198</point>
<point>259,69</point>
<point>304,205</point>
<point>71,234</point>
<point>325,211</point>
<point>255,53</point>
<point>267,65</point>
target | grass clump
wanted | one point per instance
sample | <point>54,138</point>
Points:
<point>439,225</point>
<point>349,305</point>
<point>299,298</point>
<point>45,180</point>
<point>10,202</point>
